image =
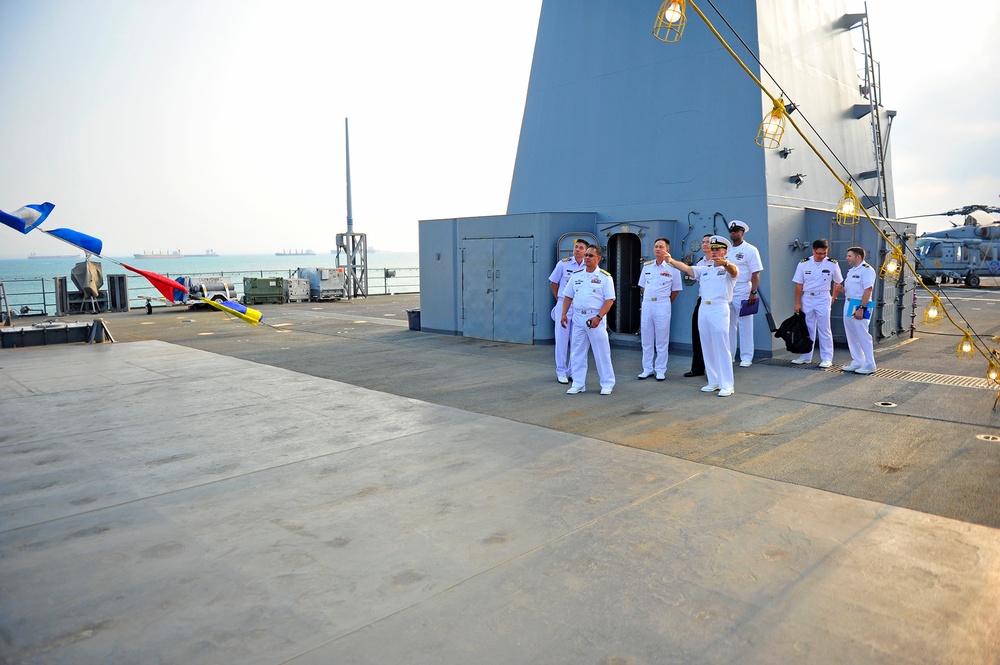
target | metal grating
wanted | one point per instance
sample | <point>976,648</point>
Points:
<point>899,375</point>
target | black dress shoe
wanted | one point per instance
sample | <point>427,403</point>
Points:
<point>690,374</point>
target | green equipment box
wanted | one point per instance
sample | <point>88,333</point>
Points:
<point>263,290</point>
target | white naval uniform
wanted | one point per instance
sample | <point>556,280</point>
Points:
<point>815,279</point>
<point>747,259</point>
<point>716,289</point>
<point>658,282</point>
<point>560,275</point>
<point>589,291</point>
<point>859,338</point>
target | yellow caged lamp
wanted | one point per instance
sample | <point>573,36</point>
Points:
<point>772,128</point>
<point>849,208</point>
<point>993,373</point>
<point>966,349</point>
<point>670,21</point>
<point>934,312</point>
<point>892,268</point>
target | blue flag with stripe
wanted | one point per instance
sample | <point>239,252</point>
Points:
<point>26,218</point>
<point>82,240</point>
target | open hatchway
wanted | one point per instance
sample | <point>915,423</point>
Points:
<point>623,259</point>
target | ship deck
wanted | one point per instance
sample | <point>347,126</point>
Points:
<point>338,488</point>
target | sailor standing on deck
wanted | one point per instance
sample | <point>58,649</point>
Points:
<point>590,293</point>
<point>812,297</point>
<point>747,260</point>
<point>697,358</point>
<point>715,283</point>
<point>858,312</point>
<point>660,283</point>
<point>557,280</point>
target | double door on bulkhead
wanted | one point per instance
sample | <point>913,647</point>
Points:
<point>498,289</point>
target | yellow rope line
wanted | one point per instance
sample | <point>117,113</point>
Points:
<point>833,172</point>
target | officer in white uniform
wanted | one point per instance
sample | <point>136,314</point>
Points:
<point>747,260</point>
<point>697,358</point>
<point>590,293</point>
<point>813,277</point>
<point>660,283</point>
<point>716,283</point>
<point>557,280</point>
<point>858,288</point>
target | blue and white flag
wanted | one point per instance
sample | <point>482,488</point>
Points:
<point>82,240</point>
<point>26,218</point>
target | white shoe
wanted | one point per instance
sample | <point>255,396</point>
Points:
<point>606,391</point>
<point>865,370</point>
<point>851,368</point>
<point>727,392</point>
<point>661,376</point>
<point>646,373</point>
<point>708,389</point>
<point>576,391</point>
<point>745,363</point>
<point>826,363</point>
<point>562,379</point>
<point>800,361</point>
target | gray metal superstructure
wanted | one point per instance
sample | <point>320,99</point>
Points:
<point>651,139</point>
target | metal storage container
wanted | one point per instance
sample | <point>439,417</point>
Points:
<point>325,283</point>
<point>296,290</point>
<point>263,290</point>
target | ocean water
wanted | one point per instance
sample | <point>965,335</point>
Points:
<point>29,282</point>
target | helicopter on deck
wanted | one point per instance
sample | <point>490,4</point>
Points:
<point>963,253</point>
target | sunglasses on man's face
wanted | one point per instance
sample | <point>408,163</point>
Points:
<point>590,256</point>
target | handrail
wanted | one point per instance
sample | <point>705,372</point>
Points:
<point>38,294</point>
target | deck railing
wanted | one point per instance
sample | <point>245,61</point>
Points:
<point>37,295</point>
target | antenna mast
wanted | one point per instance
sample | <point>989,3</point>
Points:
<point>347,146</point>
<point>354,245</point>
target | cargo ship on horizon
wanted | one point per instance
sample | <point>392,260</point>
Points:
<point>176,254</point>
<point>295,252</point>
<point>53,256</point>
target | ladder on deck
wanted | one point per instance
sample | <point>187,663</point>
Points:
<point>870,87</point>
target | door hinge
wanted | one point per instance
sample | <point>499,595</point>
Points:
<point>534,318</point>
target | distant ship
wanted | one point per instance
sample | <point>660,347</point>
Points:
<point>53,256</point>
<point>176,254</point>
<point>208,252</point>
<point>295,252</point>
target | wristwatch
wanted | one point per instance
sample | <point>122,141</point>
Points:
<point>754,292</point>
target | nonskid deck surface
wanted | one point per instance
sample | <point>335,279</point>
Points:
<point>342,489</point>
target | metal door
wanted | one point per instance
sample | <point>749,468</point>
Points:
<point>513,289</point>
<point>477,288</point>
<point>498,289</point>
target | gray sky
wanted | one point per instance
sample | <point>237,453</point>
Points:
<point>195,124</point>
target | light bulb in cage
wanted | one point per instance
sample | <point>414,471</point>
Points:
<point>993,374</point>
<point>892,268</point>
<point>772,128</point>
<point>849,208</point>
<point>934,312</point>
<point>673,12</point>
<point>670,21</point>
<point>966,349</point>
